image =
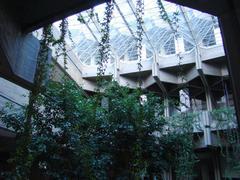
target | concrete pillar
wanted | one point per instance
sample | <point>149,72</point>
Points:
<point>217,35</point>
<point>116,69</point>
<point>216,164</point>
<point>167,175</point>
<point>230,28</point>
<point>207,128</point>
<point>166,107</point>
<point>205,172</point>
<point>209,100</point>
<point>208,94</point>
<point>144,52</point>
<point>206,118</point>
<point>184,100</point>
<point>179,44</point>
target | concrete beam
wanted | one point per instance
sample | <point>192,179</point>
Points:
<point>173,61</point>
<point>31,15</point>
<point>191,74</point>
<point>156,77</point>
<point>132,67</point>
<point>148,81</point>
<point>129,82</point>
<point>214,7</point>
<point>213,52</point>
<point>213,70</point>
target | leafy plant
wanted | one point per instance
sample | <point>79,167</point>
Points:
<point>63,134</point>
<point>74,136</point>
<point>22,157</point>
<point>180,129</point>
<point>228,135</point>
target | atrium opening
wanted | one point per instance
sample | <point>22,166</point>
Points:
<point>120,89</point>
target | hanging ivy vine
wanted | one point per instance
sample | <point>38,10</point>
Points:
<point>22,157</point>
<point>139,38</point>
<point>104,45</point>
<point>60,44</point>
<point>173,22</point>
<point>91,14</point>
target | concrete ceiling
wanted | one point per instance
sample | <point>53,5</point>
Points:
<point>214,7</point>
<point>32,14</point>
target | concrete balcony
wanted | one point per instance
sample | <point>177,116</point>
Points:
<point>213,52</point>
<point>207,125</point>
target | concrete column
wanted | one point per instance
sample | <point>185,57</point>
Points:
<point>206,118</point>
<point>166,107</point>
<point>208,100</point>
<point>167,175</point>
<point>216,164</point>
<point>209,97</point>
<point>184,99</point>
<point>116,69</point>
<point>179,45</point>
<point>225,98</point>
<point>217,35</point>
<point>207,128</point>
<point>230,28</point>
<point>144,52</point>
<point>205,172</point>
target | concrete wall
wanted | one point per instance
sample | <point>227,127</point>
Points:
<point>10,92</point>
<point>18,52</point>
<point>14,95</point>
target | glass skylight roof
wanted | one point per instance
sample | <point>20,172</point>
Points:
<point>194,28</point>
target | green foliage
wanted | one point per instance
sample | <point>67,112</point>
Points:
<point>22,157</point>
<point>228,136</point>
<point>108,136</point>
<point>181,131</point>
<point>62,134</point>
